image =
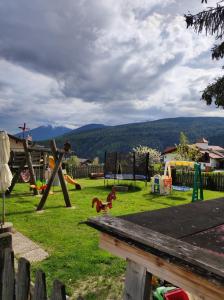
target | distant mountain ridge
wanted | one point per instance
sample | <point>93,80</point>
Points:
<point>45,132</point>
<point>89,127</point>
<point>157,134</point>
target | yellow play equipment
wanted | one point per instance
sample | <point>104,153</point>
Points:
<point>68,178</point>
<point>163,184</point>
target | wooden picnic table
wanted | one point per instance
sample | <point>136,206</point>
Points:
<point>183,245</point>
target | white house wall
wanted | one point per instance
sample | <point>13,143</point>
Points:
<point>169,156</point>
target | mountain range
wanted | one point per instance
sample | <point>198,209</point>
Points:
<point>42,133</point>
<point>157,134</point>
<point>93,140</point>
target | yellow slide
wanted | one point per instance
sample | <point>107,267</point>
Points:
<point>68,178</point>
<point>71,180</point>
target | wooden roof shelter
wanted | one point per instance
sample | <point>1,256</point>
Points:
<point>183,245</point>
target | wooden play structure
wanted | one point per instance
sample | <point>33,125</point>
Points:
<point>26,155</point>
<point>162,184</point>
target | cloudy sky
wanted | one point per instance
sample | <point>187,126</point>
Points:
<point>74,62</point>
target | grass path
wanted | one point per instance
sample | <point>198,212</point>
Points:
<point>75,257</point>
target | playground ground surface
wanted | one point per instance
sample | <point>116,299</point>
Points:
<point>74,256</point>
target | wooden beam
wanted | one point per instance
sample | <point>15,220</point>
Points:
<point>16,177</point>
<point>179,276</point>
<point>137,282</point>
<point>60,175</point>
<point>49,184</point>
<point>30,166</point>
<point>44,165</point>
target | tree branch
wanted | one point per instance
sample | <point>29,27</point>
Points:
<point>210,20</point>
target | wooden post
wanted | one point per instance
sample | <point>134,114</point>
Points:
<point>5,242</point>
<point>49,184</point>
<point>30,165</point>
<point>137,282</point>
<point>23,280</point>
<point>16,177</point>
<point>58,292</point>
<point>8,285</point>
<point>40,290</point>
<point>60,175</point>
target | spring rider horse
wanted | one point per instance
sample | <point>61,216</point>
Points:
<point>104,206</point>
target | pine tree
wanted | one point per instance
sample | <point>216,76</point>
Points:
<point>211,21</point>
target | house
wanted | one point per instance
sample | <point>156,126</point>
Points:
<point>212,156</point>
<point>85,161</point>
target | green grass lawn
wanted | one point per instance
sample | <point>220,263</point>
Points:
<point>75,258</point>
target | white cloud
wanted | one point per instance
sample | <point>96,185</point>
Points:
<point>76,62</point>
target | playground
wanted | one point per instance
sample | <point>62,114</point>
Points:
<point>74,255</point>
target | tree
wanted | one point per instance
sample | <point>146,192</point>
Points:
<point>154,155</point>
<point>211,21</point>
<point>186,151</point>
<point>73,161</point>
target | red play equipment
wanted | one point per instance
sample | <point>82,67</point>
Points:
<point>104,206</point>
<point>177,294</point>
<point>25,175</point>
<point>39,185</point>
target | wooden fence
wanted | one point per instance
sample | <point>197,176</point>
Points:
<point>84,171</point>
<point>211,181</point>
<point>18,286</point>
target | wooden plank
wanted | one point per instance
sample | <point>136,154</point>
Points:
<point>179,276</point>
<point>58,292</point>
<point>200,261</point>
<point>137,282</point>
<point>30,166</point>
<point>23,280</point>
<point>49,184</point>
<point>61,176</point>
<point>5,242</point>
<point>8,284</point>
<point>44,165</point>
<point>16,177</point>
<point>40,291</point>
<point>181,220</point>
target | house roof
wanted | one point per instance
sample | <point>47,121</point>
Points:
<point>202,140</point>
<point>13,137</point>
<point>84,160</point>
<point>169,150</point>
<point>214,154</point>
<point>215,148</point>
